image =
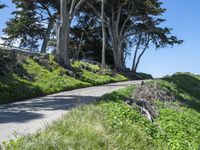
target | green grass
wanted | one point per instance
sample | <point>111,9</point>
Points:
<point>30,79</point>
<point>35,80</point>
<point>186,88</point>
<point>107,125</point>
<point>112,124</point>
<point>180,120</point>
<point>13,88</point>
<point>95,75</point>
<point>52,81</point>
<point>181,128</point>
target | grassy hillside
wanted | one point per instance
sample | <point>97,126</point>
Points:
<point>112,124</point>
<point>95,75</point>
<point>107,125</point>
<point>25,77</point>
<point>180,120</point>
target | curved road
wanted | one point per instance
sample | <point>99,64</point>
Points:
<point>29,116</point>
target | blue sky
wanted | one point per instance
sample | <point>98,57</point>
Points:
<point>184,17</point>
<point>5,13</point>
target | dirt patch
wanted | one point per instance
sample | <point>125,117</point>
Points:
<point>152,93</point>
<point>144,98</point>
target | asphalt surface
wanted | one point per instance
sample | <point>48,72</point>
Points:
<point>22,118</point>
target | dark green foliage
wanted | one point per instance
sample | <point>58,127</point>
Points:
<point>29,24</point>
<point>12,88</point>
<point>2,5</point>
<point>92,36</point>
<point>23,26</point>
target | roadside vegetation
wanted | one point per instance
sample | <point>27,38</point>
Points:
<point>96,75</point>
<point>27,77</point>
<point>113,124</point>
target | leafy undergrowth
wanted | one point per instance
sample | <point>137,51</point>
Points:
<point>186,88</point>
<point>177,127</point>
<point>112,124</point>
<point>95,75</point>
<point>36,76</point>
<point>180,120</point>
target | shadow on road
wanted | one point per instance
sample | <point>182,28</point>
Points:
<point>110,85</point>
<point>22,112</point>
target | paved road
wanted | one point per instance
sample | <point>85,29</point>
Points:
<point>29,116</point>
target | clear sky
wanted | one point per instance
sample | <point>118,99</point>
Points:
<point>5,13</point>
<point>184,17</point>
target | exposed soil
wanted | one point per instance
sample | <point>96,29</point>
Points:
<point>144,97</point>
<point>152,93</point>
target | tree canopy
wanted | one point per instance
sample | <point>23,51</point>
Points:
<point>31,23</point>
<point>110,28</point>
<point>2,5</point>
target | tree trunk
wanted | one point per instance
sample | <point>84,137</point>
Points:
<point>64,44</point>
<point>47,35</point>
<point>64,38</point>
<point>141,54</point>
<point>77,51</point>
<point>117,52</point>
<point>116,41</point>
<point>114,48</point>
<point>103,62</point>
<point>139,58</point>
<point>112,22</point>
<point>58,34</point>
<point>134,60</point>
<point>67,15</point>
<point>119,64</point>
<point>79,46</point>
<point>135,55</point>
